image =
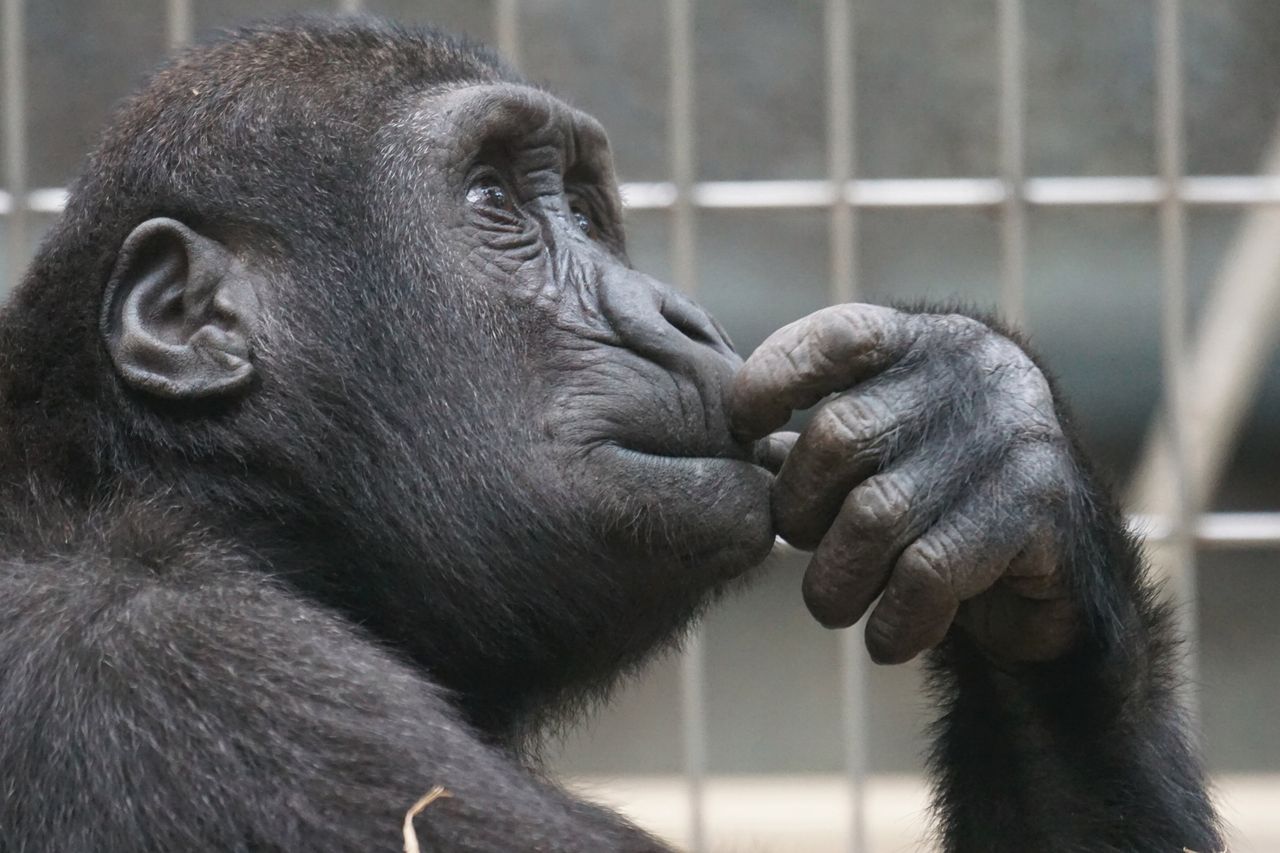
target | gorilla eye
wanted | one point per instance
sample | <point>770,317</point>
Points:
<point>486,190</point>
<point>580,213</point>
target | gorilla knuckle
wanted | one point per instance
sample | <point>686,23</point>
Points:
<point>878,505</point>
<point>927,563</point>
<point>860,327</point>
<point>851,422</point>
<point>960,328</point>
<point>1039,465</point>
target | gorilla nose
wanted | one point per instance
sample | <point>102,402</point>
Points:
<point>691,320</point>
<point>658,322</point>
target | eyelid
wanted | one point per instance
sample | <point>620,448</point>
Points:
<point>486,171</point>
<point>586,199</point>
<point>487,174</point>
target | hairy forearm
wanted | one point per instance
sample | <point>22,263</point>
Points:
<point>1089,752</point>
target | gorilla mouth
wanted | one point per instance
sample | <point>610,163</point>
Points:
<point>676,449</point>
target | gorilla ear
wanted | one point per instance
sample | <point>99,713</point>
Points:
<point>179,313</point>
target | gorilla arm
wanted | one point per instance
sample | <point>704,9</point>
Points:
<point>940,480</point>
<point>238,717</point>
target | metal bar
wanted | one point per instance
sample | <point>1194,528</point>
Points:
<point>1013,232</point>
<point>928,192</point>
<point>745,195</point>
<point>841,149</point>
<point>1105,192</point>
<point>15,138</point>
<point>37,201</point>
<point>178,22</point>
<point>917,193</point>
<point>1176,559</point>
<point>1231,190</point>
<point>681,150</point>
<point>693,722</point>
<point>841,166</point>
<point>681,141</point>
<point>1218,530</point>
<point>946,193</point>
<point>506,28</point>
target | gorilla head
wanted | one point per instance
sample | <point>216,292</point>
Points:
<point>356,301</point>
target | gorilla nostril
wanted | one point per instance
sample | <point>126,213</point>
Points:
<point>691,322</point>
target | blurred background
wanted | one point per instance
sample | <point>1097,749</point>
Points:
<point>1105,173</point>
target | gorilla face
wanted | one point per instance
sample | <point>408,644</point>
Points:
<point>618,400</point>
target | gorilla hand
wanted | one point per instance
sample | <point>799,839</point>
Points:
<point>938,477</point>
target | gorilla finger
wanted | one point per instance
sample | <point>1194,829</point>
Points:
<point>914,614</point>
<point>847,441</point>
<point>852,562</point>
<point>803,362</point>
<point>772,450</point>
<point>967,551</point>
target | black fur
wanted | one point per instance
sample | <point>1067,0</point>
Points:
<point>1093,752</point>
<point>271,620</point>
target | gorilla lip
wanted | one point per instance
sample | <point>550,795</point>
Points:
<point>727,450</point>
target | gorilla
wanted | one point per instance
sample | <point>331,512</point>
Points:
<point>342,451</point>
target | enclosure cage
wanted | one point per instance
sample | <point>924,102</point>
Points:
<point>1103,174</point>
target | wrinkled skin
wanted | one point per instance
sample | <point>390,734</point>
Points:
<point>341,448</point>
<point>935,479</point>
<point>629,376</point>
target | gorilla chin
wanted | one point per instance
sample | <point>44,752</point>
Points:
<point>712,512</point>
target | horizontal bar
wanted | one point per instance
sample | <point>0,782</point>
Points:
<point>762,194</point>
<point>1231,189</point>
<point>920,193</point>
<point>961,192</point>
<point>1216,530</point>
<point>51,200</point>
<point>1094,191</point>
<point>927,192</point>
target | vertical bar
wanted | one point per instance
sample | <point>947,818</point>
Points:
<point>841,166</point>
<point>15,138</point>
<point>693,723</point>
<point>506,27</point>
<point>680,141</point>
<point>841,160</point>
<point>178,22</point>
<point>1179,554</point>
<point>1013,274</point>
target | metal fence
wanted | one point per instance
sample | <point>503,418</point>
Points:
<point>1179,527</point>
